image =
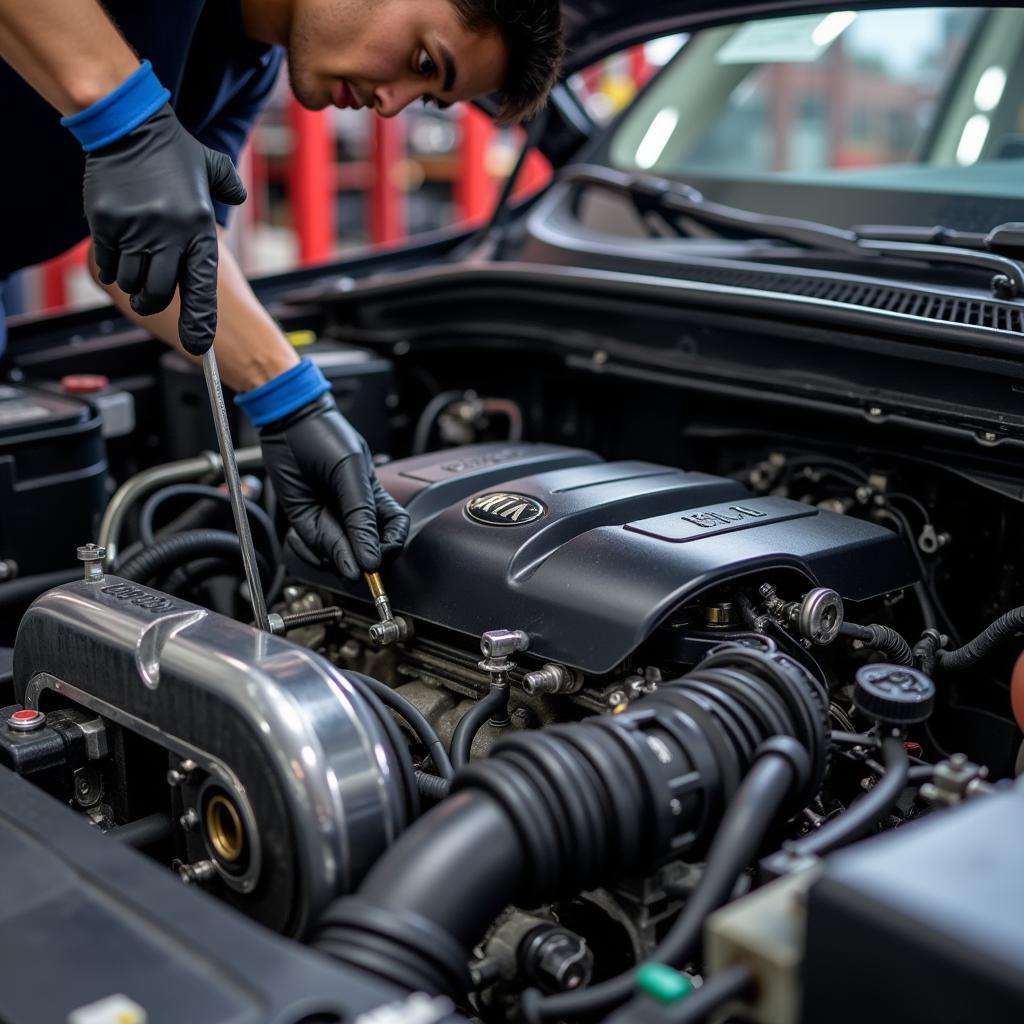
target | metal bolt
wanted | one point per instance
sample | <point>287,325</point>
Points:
<point>987,436</point>
<point>498,643</point>
<point>92,556</point>
<point>8,569</point>
<point>176,776</point>
<point>189,820</point>
<point>548,679</point>
<point>600,357</point>
<point>876,412</point>
<point>615,698</point>
<point>196,874</point>
<point>390,631</point>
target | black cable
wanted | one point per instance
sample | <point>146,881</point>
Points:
<point>425,424</point>
<point>865,812</point>
<point>750,814</point>
<point>854,739</point>
<point>932,609</point>
<point>493,705</point>
<point>415,720</point>
<point>201,491</point>
<point>1006,626</point>
<point>882,639</point>
<point>732,983</point>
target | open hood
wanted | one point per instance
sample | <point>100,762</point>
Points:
<point>596,28</point>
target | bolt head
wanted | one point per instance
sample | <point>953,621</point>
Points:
<point>91,553</point>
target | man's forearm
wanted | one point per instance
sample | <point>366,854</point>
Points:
<point>68,50</point>
<point>251,349</point>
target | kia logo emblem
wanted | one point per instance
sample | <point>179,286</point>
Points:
<point>502,509</point>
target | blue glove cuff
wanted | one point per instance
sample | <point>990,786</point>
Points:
<point>284,394</point>
<point>133,102</point>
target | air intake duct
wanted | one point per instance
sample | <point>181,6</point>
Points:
<point>551,813</point>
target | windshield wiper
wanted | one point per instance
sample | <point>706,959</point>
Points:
<point>673,202</point>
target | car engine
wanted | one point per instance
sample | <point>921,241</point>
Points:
<point>613,725</point>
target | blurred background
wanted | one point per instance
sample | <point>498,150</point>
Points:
<point>321,183</point>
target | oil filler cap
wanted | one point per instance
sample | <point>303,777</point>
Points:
<point>893,694</point>
<point>26,720</point>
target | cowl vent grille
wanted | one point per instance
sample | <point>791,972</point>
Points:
<point>951,309</point>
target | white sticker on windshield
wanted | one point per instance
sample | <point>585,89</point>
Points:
<point>785,40</point>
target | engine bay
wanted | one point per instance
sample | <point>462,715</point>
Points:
<point>644,672</point>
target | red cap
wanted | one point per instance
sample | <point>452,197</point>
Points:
<point>84,383</point>
<point>26,719</point>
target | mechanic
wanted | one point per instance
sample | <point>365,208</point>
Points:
<point>142,106</point>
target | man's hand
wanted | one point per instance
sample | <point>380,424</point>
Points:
<point>323,473</point>
<point>148,203</point>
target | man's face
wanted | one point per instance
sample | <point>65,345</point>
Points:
<point>386,54</point>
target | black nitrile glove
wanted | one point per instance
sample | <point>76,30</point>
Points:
<point>324,477</point>
<point>150,212</point>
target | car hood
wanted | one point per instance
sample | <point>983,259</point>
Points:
<point>596,28</point>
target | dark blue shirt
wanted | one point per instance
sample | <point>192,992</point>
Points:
<point>218,78</point>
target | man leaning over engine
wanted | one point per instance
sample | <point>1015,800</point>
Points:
<point>157,100</point>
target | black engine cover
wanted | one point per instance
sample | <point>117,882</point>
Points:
<point>588,556</point>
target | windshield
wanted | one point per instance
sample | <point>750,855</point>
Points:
<point>930,99</point>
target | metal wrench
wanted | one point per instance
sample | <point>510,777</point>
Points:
<point>227,456</point>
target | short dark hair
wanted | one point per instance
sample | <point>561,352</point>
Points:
<point>532,33</point>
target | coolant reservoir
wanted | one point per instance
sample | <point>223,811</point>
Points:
<point>1017,691</point>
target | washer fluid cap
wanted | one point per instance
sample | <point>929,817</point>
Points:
<point>894,694</point>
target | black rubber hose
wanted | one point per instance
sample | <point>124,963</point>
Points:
<point>209,494</point>
<point>182,548</point>
<point>451,874</point>
<point>865,812</point>
<point>495,703</point>
<point>25,589</point>
<point>771,779</point>
<point>882,639</point>
<point>143,832</point>
<point>432,786</point>
<point>721,988</point>
<point>414,719</point>
<point>974,650</point>
<point>402,762</point>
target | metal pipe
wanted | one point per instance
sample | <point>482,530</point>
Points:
<point>149,480</point>
<point>227,455</point>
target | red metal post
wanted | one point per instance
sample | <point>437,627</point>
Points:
<point>535,175</point>
<point>639,68</point>
<point>311,178</point>
<point>54,292</point>
<point>474,186</point>
<point>55,274</point>
<point>387,189</point>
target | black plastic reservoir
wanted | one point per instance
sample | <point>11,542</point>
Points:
<point>53,468</point>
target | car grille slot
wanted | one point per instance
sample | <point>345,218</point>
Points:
<point>999,316</point>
